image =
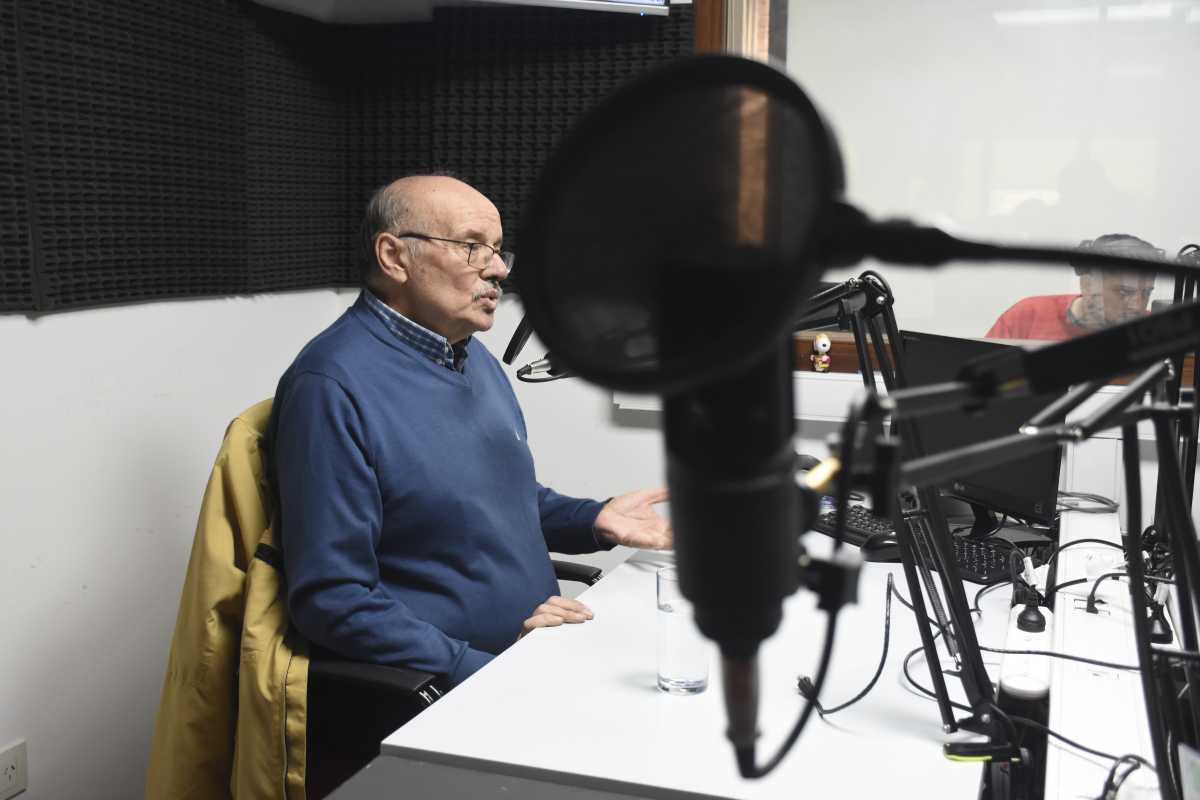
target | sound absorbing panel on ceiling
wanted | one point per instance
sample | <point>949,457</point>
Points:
<point>181,149</point>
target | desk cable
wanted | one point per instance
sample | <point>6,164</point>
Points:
<point>1115,778</point>
<point>1091,598</point>
<point>1103,505</point>
<point>1056,549</point>
<point>1109,790</point>
<point>1022,721</point>
<point>1113,783</point>
<point>975,609</point>
<point>805,687</point>
<point>745,753</point>
<point>1047,653</point>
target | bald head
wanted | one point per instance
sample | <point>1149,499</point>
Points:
<point>431,205</point>
<point>433,254</point>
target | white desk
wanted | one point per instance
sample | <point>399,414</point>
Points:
<point>1102,708</point>
<point>578,706</point>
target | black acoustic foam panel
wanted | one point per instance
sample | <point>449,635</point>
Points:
<point>386,74</point>
<point>135,146</point>
<point>16,269</point>
<point>515,80</point>
<point>186,149</point>
<point>296,143</point>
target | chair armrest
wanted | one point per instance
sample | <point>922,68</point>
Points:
<point>570,571</point>
<point>400,680</point>
<point>403,680</point>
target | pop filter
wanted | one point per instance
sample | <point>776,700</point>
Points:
<point>672,233</point>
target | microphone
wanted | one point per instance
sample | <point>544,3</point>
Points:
<point>517,342</point>
<point>850,236</point>
<point>694,298</point>
<point>731,468</point>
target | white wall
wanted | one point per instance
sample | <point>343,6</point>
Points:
<point>1008,121</point>
<point>111,419</point>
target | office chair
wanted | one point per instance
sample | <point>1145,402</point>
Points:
<point>353,706</point>
<point>304,721</point>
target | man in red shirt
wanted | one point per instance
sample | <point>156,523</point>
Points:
<point>1106,297</point>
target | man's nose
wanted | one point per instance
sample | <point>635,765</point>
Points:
<point>496,268</point>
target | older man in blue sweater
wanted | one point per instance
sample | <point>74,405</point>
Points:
<point>414,530</point>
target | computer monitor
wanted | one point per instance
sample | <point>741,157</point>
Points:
<point>1025,489</point>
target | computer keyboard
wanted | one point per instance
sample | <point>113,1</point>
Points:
<point>978,561</point>
<point>860,524</point>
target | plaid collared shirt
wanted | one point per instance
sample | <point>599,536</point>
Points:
<point>429,344</point>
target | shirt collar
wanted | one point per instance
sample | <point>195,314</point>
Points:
<point>434,346</point>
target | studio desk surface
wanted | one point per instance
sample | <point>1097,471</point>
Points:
<point>1097,706</point>
<point>574,711</point>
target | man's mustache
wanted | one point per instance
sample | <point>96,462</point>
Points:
<point>493,288</point>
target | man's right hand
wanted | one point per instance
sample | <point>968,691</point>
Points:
<point>554,612</point>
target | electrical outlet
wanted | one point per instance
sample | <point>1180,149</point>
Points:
<point>14,770</point>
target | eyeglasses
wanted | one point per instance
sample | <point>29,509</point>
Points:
<point>479,255</point>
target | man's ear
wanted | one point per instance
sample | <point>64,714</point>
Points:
<point>393,257</point>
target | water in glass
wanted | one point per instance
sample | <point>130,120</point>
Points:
<point>683,654</point>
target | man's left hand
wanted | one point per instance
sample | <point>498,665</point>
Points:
<point>631,520</point>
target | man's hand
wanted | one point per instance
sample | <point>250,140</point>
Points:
<point>554,612</point>
<point>631,520</point>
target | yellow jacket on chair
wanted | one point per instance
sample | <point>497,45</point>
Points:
<point>232,718</point>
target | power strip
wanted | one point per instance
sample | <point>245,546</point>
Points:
<point>1026,676</point>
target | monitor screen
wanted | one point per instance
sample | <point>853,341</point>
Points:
<point>1026,488</point>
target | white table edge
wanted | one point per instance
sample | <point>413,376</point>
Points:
<point>565,778</point>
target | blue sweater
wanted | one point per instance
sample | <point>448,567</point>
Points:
<point>414,531</point>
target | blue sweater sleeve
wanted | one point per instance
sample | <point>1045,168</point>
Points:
<point>567,522</point>
<point>330,522</point>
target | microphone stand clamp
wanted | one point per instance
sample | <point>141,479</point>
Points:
<point>834,580</point>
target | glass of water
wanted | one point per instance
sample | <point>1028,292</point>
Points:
<point>683,654</point>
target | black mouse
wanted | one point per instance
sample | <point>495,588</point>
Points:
<point>881,547</point>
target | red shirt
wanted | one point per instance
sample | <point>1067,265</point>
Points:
<point>1040,317</point>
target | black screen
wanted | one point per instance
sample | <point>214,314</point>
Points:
<point>1026,488</point>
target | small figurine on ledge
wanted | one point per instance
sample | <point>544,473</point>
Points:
<point>820,355</point>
